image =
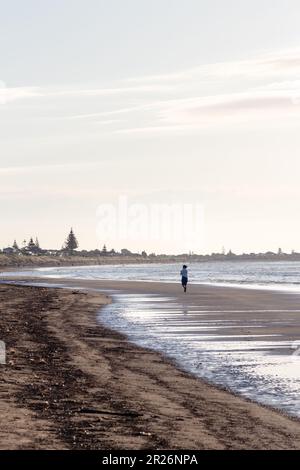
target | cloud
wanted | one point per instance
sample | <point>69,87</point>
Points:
<point>263,66</point>
<point>266,86</point>
<point>14,170</point>
<point>159,129</point>
<point>216,107</point>
<point>8,95</point>
<point>126,110</point>
<point>207,95</point>
<point>110,91</point>
<point>192,114</point>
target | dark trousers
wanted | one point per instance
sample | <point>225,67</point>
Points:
<point>184,281</point>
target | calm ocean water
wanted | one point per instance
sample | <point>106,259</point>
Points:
<point>274,275</point>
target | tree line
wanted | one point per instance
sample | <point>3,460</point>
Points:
<point>33,247</point>
<point>69,246</point>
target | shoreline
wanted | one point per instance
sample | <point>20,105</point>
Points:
<point>9,272</point>
<point>244,286</point>
<point>13,262</point>
<point>146,401</point>
<point>236,306</point>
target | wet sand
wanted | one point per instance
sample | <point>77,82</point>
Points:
<point>70,383</point>
<point>242,305</point>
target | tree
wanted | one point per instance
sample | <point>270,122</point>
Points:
<point>31,244</point>
<point>37,243</point>
<point>125,252</point>
<point>71,242</point>
<point>15,246</point>
<point>32,247</point>
<point>104,250</point>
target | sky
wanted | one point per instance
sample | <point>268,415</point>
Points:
<point>112,110</point>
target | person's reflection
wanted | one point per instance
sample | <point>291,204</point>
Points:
<point>185,310</point>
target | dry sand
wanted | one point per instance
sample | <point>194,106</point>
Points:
<point>71,383</point>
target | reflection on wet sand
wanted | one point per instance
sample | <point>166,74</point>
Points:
<point>250,351</point>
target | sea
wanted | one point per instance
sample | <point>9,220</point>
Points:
<point>282,275</point>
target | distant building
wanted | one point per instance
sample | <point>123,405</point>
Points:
<point>12,250</point>
<point>8,251</point>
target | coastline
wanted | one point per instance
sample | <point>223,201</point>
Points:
<point>263,276</point>
<point>14,261</point>
<point>70,382</point>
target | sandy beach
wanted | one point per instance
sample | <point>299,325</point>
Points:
<point>149,244</point>
<point>71,383</point>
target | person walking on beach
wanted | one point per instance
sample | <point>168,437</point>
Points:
<point>184,277</point>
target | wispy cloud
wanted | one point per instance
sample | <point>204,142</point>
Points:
<point>9,94</point>
<point>13,170</point>
<point>263,87</point>
<point>192,114</point>
<point>231,104</point>
<point>207,95</point>
<point>111,91</point>
<point>263,66</point>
